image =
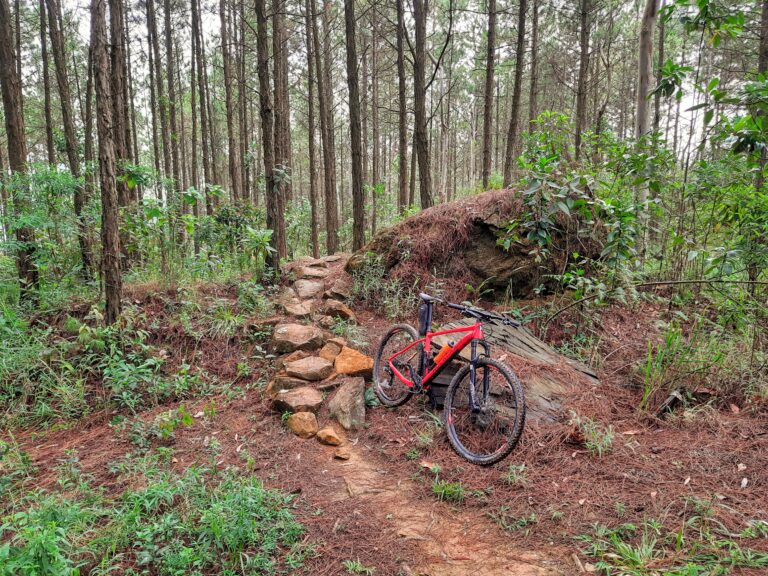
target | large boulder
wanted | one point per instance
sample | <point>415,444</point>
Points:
<point>353,363</point>
<point>304,399</point>
<point>458,242</point>
<point>313,368</point>
<point>290,337</point>
<point>348,404</point>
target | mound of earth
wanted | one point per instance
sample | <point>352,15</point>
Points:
<point>458,242</point>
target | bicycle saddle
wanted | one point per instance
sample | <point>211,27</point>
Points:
<point>427,298</point>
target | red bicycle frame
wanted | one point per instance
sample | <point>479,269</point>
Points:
<point>473,334</point>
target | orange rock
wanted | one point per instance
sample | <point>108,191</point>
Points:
<point>354,363</point>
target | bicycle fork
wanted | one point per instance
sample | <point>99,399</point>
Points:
<point>475,407</point>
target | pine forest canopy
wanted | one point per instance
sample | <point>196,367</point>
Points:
<point>170,138</point>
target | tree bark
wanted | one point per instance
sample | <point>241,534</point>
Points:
<point>308,17</point>
<point>68,120</point>
<point>232,148</point>
<point>51,151</point>
<point>273,198</point>
<point>160,89</point>
<point>514,120</point>
<point>490,63</point>
<point>421,138</point>
<point>117,78</point>
<point>645,66</point>
<point>110,236</point>
<point>170,76</point>
<point>10,84</point>
<point>534,85</point>
<point>197,43</point>
<point>376,131</point>
<point>581,88</point>
<point>659,64</point>
<point>358,200</point>
<point>402,113</point>
<point>281,105</point>
<point>325,106</point>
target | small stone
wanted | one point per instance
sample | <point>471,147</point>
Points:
<point>284,382</point>
<point>330,351</point>
<point>339,310</point>
<point>327,435</point>
<point>338,340</point>
<point>298,308</point>
<point>303,424</point>
<point>340,289</point>
<point>354,363</point>
<point>332,258</point>
<point>289,337</point>
<point>292,357</point>
<point>326,322</point>
<point>342,453</point>
<point>312,368</point>
<point>348,404</point>
<point>304,399</point>
<point>307,288</point>
<point>286,296</point>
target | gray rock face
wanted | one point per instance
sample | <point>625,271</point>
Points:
<point>313,368</point>
<point>290,337</point>
<point>348,404</point>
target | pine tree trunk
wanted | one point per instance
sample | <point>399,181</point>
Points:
<point>581,88</point>
<point>281,103</point>
<point>402,114</point>
<point>534,87</point>
<point>358,200</point>
<point>376,135</point>
<point>325,106</point>
<point>232,148</point>
<point>197,43</point>
<point>490,64</point>
<point>421,136</point>
<point>160,89</point>
<point>514,120</point>
<point>110,236</point>
<point>117,78</point>
<point>10,84</point>
<point>308,17</point>
<point>51,151</point>
<point>645,66</point>
<point>274,200</point>
<point>68,120</point>
<point>170,76</point>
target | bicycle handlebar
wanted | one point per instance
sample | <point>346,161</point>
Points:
<point>471,312</point>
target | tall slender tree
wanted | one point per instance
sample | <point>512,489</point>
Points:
<point>232,146</point>
<point>514,113</point>
<point>581,86</point>
<point>110,236</point>
<point>490,65</point>
<point>402,113</point>
<point>70,137</point>
<point>314,224</point>
<point>273,197</point>
<point>358,200</point>
<point>10,85</point>
<point>325,106</point>
<point>46,87</point>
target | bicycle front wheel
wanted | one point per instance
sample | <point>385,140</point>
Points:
<point>389,389</point>
<point>486,432</point>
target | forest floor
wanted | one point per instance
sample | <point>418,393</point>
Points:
<point>553,507</point>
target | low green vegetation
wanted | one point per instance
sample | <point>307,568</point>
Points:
<point>191,523</point>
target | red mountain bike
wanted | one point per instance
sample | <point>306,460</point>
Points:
<point>484,408</point>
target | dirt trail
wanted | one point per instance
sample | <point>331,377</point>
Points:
<point>453,544</point>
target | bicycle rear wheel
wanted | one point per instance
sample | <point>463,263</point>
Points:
<point>488,433</point>
<point>389,389</point>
